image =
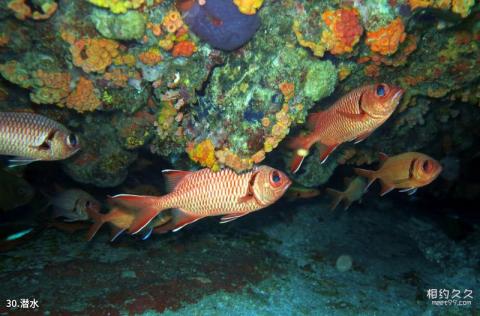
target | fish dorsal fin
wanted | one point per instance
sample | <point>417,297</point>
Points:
<point>313,119</point>
<point>173,178</point>
<point>382,157</point>
<point>347,180</point>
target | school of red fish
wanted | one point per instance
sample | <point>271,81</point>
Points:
<point>193,195</point>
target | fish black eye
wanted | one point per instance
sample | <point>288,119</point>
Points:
<point>88,204</point>
<point>72,140</point>
<point>275,177</point>
<point>381,90</point>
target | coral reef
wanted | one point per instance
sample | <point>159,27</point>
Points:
<point>155,74</point>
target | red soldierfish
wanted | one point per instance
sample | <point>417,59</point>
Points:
<point>407,171</point>
<point>31,137</point>
<point>203,193</point>
<point>353,117</point>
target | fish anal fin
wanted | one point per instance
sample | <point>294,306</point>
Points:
<point>327,150</point>
<point>180,219</point>
<point>231,217</point>
<point>146,208</point>
<point>362,137</point>
<point>173,178</point>
<point>19,161</point>
<point>115,232</point>
<point>386,187</point>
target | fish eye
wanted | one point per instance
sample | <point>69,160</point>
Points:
<point>427,166</point>
<point>381,90</point>
<point>275,178</point>
<point>72,140</point>
<point>88,204</point>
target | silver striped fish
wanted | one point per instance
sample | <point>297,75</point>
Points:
<point>31,137</point>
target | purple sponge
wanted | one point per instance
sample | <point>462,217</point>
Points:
<point>221,24</point>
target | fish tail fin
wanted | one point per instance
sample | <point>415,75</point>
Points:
<point>147,208</point>
<point>98,221</point>
<point>369,174</point>
<point>301,146</point>
<point>337,197</point>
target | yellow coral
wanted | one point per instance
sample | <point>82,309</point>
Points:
<point>387,39</point>
<point>172,21</point>
<point>118,6</point>
<point>94,55</point>
<point>248,7</point>
<point>83,98</point>
<point>204,154</point>
<point>318,49</point>
<point>462,7</point>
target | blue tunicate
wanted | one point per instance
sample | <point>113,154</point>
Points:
<point>221,24</point>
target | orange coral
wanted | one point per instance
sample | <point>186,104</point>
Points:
<point>4,40</point>
<point>387,39</point>
<point>230,159</point>
<point>184,49</point>
<point>20,8</point>
<point>117,77</point>
<point>94,55</point>
<point>23,11</point>
<point>344,30</point>
<point>287,89</point>
<point>204,154</point>
<point>172,21</point>
<point>151,57</point>
<point>53,87</point>
<point>83,98</point>
<point>438,4</point>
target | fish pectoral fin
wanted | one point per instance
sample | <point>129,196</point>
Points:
<point>409,191</point>
<point>232,217</point>
<point>353,116</point>
<point>245,198</point>
<point>362,137</point>
<point>19,161</point>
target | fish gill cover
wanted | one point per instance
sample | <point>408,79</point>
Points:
<point>245,97</point>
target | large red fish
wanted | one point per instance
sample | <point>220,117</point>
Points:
<point>31,137</point>
<point>407,171</point>
<point>353,117</point>
<point>203,193</point>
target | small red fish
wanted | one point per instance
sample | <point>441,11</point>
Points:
<point>203,193</point>
<point>407,171</point>
<point>300,192</point>
<point>353,192</point>
<point>353,117</point>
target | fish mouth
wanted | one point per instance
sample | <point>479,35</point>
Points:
<point>398,95</point>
